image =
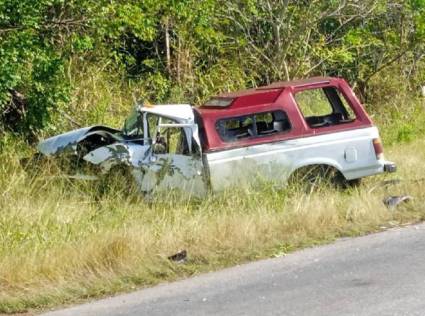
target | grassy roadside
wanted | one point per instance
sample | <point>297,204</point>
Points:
<point>60,242</point>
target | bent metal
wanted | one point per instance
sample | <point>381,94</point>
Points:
<point>235,138</point>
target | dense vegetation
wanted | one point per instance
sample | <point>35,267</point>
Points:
<point>187,50</point>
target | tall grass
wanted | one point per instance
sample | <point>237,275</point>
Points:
<point>401,118</point>
<point>62,241</point>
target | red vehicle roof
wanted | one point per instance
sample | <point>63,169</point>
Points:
<point>279,85</point>
<point>261,95</point>
<point>300,83</point>
<point>276,96</point>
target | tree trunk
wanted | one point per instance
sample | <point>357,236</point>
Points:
<point>167,45</point>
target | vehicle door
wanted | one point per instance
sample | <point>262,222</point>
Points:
<point>175,160</point>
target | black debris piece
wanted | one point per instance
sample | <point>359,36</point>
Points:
<point>393,201</point>
<point>179,257</point>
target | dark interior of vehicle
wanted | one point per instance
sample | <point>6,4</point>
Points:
<point>279,123</point>
<point>259,124</point>
<point>327,120</point>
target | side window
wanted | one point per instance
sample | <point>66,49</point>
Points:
<point>177,141</point>
<point>236,128</point>
<point>324,107</point>
<point>349,111</point>
<point>313,103</point>
<point>253,125</point>
<point>170,139</point>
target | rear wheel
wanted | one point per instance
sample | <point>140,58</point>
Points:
<point>354,183</point>
<point>311,178</point>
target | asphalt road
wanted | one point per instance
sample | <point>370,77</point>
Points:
<point>380,274</point>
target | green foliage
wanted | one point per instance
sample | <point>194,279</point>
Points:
<point>188,50</point>
<point>31,63</point>
<point>405,133</point>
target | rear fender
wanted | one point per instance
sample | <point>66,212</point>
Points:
<point>315,162</point>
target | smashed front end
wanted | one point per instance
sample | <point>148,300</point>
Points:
<point>159,145</point>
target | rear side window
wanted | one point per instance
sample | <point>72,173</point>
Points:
<point>253,125</point>
<point>324,107</point>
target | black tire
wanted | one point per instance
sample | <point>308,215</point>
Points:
<point>354,183</point>
<point>312,178</point>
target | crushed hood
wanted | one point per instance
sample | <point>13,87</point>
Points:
<point>68,141</point>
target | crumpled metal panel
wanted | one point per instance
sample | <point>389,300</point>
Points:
<point>168,171</point>
<point>66,142</point>
<point>153,172</point>
<point>181,113</point>
<point>128,153</point>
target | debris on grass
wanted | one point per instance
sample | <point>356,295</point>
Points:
<point>393,201</point>
<point>179,257</point>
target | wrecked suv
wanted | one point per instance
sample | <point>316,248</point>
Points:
<point>236,138</point>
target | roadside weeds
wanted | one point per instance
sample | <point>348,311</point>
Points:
<point>63,243</point>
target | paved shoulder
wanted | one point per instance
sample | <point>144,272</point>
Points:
<point>379,274</point>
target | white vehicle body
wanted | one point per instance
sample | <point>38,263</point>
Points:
<point>177,146</point>
<point>350,152</point>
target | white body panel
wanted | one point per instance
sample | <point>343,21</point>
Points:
<point>351,152</point>
<point>171,171</point>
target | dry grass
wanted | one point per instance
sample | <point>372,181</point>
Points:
<point>61,242</point>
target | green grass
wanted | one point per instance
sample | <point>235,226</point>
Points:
<point>401,119</point>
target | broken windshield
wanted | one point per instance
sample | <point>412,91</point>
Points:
<point>173,136</point>
<point>133,125</point>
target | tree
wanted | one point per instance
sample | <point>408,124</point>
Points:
<point>353,39</point>
<point>34,41</point>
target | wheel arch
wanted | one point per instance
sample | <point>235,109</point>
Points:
<point>317,162</point>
